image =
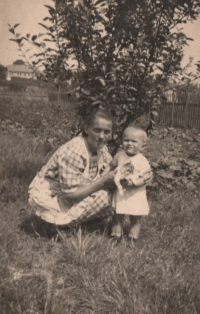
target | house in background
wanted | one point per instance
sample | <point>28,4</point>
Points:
<point>19,70</point>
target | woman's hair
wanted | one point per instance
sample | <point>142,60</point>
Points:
<point>94,113</point>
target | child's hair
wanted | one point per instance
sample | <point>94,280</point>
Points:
<point>138,128</point>
<point>89,119</point>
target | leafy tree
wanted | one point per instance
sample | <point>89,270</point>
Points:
<point>20,62</point>
<point>3,71</point>
<point>125,51</point>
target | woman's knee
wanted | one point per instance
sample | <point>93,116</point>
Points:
<point>103,194</point>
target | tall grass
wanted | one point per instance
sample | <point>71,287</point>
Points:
<point>21,158</point>
<point>41,118</point>
<point>83,271</point>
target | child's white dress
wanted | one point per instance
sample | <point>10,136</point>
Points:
<point>134,199</point>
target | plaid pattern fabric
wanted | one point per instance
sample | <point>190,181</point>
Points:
<point>97,205</point>
<point>64,173</point>
<point>93,167</point>
<point>100,207</point>
<point>68,164</point>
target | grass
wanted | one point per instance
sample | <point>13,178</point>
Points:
<point>45,269</point>
<point>41,119</point>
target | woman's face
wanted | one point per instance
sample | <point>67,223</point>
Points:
<point>99,133</point>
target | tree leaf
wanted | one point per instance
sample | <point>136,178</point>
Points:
<point>132,88</point>
<point>154,113</point>
<point>98,102</point>
<point>51,9</point>
<point>43,45</point>
<point>16,25</point>
<point>85,92</point>
<point>34,38</point>
<point>12,30</point>
<point>101,80</point>
<point>110,89</point>
<point>165,175</point>
<point>37,44</point>
<point>44,26</point>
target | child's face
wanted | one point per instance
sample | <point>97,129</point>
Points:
<point>132,141</point>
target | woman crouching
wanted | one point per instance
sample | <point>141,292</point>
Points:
<point>69,188</point>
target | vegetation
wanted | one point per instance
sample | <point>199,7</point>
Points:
<point>124,52</point>
<point>19,84</point>
<point>3,71</point>
<point>45,269</point>
<point>19,62</point>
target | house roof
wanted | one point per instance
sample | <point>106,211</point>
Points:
<point>19,68</point>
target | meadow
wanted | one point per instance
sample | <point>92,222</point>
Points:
<point>46,269</point>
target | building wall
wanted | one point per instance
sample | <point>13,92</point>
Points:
<point>26,75</point>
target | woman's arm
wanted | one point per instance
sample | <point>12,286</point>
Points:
<point>71,165</point>
<point>84,191</point>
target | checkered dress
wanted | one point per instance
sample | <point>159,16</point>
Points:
<point>63,174</point>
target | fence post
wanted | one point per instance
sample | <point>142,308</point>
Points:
<point>186,110</point>
<point>58,94</point>
<point>173,99</point>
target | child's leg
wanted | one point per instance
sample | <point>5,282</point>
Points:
<point>117,225</point>
<point>134,226</point>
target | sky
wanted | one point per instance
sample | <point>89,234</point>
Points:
<point>28,13</point>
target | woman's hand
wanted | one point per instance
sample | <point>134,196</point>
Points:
<point>126,183</point>
<point>85,181</point>
<point>108,179</point>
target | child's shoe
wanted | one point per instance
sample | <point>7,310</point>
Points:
<point>115,240</point>
<point>132,242</point>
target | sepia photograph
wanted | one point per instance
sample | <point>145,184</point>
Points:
<point>100,157</point>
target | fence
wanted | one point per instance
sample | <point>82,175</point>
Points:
<point>181,110</point>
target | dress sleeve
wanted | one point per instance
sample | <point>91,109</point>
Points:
<point>72,163</point>
<point>145,166</point>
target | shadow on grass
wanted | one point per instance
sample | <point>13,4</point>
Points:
<point>99,225</point>
<point>35,226</point>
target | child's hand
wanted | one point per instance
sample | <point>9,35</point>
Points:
<point>148,175</point>
<point>126,182</point>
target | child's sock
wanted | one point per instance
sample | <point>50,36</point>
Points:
<point>116,226</point>
<point>134,227</point>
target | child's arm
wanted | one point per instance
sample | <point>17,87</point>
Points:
<point>142,179</point>
<point>138,182</point>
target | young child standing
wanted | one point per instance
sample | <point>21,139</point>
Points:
<point>133,202</point>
